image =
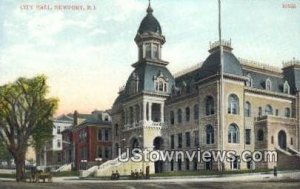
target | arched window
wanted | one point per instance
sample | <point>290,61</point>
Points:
<point>233,104</point>
<point>172,117</point>
<point>179,116</point>
<point>286,87</point>
<point>187,114</point>
<point>268,110</point>
<point>268,84</point>
<point>209,102</point>
<point>233,134</point>
<point>249,80</point>
<point>160,86</point>
<point>287,112</point>
<point>196,111</point>
<point>210,137</point>
<point>260,135</point>
<point>247,109</point>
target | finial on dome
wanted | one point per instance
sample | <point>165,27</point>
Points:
<point>149,9</point>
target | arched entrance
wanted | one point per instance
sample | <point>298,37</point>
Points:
<point>282,139</point>
<point>157,143</point>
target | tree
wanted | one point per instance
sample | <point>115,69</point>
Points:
<point>25,115</point>
<point>4,153</point>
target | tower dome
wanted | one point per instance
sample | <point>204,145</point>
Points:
<point>149,23</point>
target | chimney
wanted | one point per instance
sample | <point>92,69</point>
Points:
<point>75,118</point>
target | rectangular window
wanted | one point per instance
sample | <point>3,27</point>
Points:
<point>172,165</point>
<point>187,139</point>
<point>148,50</point>
<point>179,140</point>
<point>99,152</point>
<point>187,164</point>
<point>155,51</point>
<point>58,144</point>
<point>172,118</point>
<point>179,165</point>
<point>106,153</point>
<point>58,129</point>
<point>248,136</point>
<point>106,135</point>
<point>172,142</point>
<point>196,134</point>
<point>235,163</point>
<point>99,134</point>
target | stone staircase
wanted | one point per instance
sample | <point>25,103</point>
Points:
<point>288,158</point>
<point>124,168</point>
<point>65,167</point>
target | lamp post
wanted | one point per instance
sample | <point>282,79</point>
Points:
<point>98,160</point>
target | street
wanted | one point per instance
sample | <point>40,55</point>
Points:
<point>150,185</point>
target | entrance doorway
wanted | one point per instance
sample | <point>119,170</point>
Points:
<point>282,139</point>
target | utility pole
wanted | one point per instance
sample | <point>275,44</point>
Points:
<point>221,106</point>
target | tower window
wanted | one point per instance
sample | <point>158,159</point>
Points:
<point>233,104</point>
<point>210,134</point>
<point>247,109</point>
<point>260,135</point>
<point>248,136</point>
<point>209,102</point>
<point>148,50</point>
<point>155,51</point>
<point>233,134</point>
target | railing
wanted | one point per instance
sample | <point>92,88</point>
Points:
<point>291,63</point>
<point>276,118</point>
<point>144,123</point>
<point>260,65</point>
<point>217,43</point>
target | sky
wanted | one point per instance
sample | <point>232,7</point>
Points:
<point>87,54</point>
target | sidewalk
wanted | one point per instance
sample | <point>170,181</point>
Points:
<point>247,177</point>
<point>285,175</point>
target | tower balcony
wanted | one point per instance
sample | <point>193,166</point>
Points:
<point>144,123</point>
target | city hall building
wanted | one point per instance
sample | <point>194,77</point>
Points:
<point>225,103</point>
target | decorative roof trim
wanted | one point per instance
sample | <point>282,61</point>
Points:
<point>268,93</point>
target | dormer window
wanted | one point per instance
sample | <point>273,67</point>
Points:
<point>286,87</point>
<point>160,83</point>
<point>268,84</point>
<point>249,82</point>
